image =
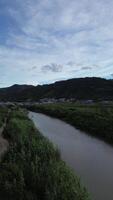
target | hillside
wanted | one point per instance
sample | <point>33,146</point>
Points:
<point>80,89</point>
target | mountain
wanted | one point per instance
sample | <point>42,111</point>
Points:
<point>14,92</point>
<point>80,89</point>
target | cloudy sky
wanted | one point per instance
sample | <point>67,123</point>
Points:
<point>42,41</point>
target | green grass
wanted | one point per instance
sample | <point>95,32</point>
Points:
<point>97,119</point>
<point>32,168</point>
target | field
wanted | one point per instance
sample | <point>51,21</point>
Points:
<point>32,168</point>
<point>96,119</point>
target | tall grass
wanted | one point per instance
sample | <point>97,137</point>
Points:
<point>32,168</point>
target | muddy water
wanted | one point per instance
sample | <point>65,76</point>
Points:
<point>90,158</point>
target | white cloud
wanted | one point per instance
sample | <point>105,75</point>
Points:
<point>75,34</point>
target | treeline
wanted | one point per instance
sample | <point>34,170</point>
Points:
<point>32,168</point>
<point>97,119</point>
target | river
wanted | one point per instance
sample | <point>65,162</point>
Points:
<point>90,158</point>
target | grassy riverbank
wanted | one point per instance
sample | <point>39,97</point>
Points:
<point>95,119</point>
<point>32,169</point>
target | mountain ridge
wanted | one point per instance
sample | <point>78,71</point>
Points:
<point>78,88</point>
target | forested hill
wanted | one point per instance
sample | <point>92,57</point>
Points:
<point>80,89</point>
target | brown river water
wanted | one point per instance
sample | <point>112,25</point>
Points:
<point>90,158</point>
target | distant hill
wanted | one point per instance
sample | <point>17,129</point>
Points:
<point>78,88</point>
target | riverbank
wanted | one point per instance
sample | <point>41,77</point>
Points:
<point>90,158</point>
<point>32,168</point>
<point>96,120</point>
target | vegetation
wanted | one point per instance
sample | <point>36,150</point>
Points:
<point>78,88</point>
<point>95,119</point>
<point>3,112</point>
<point>32,168</point>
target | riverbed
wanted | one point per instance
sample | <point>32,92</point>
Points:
<point>90,158</point>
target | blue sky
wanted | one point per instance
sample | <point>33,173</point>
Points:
<point>49,40</point>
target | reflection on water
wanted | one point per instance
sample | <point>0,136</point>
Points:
<point>91,158</point>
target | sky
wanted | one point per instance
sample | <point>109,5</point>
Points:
<point>43,41</point>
